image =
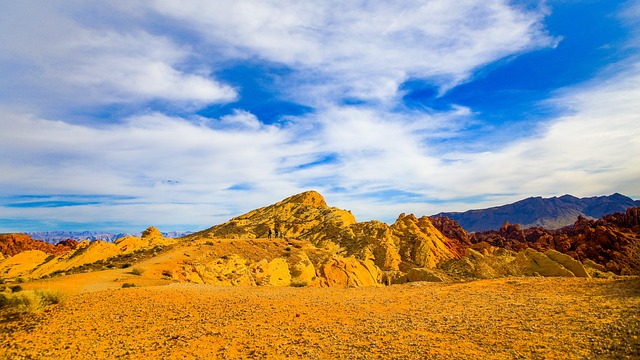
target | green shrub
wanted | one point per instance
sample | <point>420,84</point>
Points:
<point>15,288</point>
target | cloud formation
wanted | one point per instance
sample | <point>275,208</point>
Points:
<point>102,121</point>
<point>364,50</point>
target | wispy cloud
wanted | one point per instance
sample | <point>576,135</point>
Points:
<point>350,49</point>
<point>50,54</point>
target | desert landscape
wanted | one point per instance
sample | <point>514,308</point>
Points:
<point>330,287</point>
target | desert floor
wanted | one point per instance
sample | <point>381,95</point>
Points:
<point>514,318</point>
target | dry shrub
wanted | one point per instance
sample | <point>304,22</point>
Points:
<point>30,301</point>
<point>137,271</point>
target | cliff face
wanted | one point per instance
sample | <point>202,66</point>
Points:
<point>549,213</point>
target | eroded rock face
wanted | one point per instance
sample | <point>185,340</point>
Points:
<point>350,272</point>
<point>421,244</point>
<point>567,262</point>
<point>533,262</point>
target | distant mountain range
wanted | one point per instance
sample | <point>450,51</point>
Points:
<point>53,237</point>
<point>550,213</point>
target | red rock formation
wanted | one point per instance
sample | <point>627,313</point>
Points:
<point>12,244</point>
<point>613,241</point>
<point>451,229</point>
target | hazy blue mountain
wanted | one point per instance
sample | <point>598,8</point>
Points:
<point>550,213</point>
<point>54,237</point>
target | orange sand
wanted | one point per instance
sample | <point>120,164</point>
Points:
<point>532,318</point>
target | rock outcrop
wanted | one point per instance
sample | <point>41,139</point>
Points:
<point>410,242</point>
<point>305,215</point>
<point>12,244</point>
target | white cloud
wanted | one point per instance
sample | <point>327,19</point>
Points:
<point>365,50</point>
<point>192,170</point>
<point>68,63</point>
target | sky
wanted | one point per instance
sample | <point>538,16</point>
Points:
<point>119,115</point>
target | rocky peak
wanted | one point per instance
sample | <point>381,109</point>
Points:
<point>151,232</point>
<point>309,198</point>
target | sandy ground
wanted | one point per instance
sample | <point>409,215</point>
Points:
<point>516,318</point>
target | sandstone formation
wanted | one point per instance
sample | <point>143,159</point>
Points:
<point>410,242</point>
<point>305,215</point>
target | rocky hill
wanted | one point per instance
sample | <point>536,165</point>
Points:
<point>409,242</point>
<point>549,213</point>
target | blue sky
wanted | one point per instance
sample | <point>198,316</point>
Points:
<point>116,116</point>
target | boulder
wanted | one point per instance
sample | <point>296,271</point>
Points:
<point>348,272</point>
<point>303,273</point>
<point>532,262</point>
<point>568,262</point>
<point>273,273</point>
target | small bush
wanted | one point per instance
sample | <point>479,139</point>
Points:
<point>124,266</point>
<point>20,280</point>
<point>30,301</point>
<point>26,301</point>
<point>15,288</point>
<point>298,284</point>
<point>137,271</point>
<point>50,297</point>
<point>128,285</point>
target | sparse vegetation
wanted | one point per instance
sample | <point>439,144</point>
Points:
<point>137,271</point>
<point>299,284</point>
<point>30,301</point>
<point>50,297</point>
<point>15,288</point>
<point>128,285</point>
<point>20,280</point>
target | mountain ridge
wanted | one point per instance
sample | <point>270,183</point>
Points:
<point>549,213</point>
<point>56,236</point>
